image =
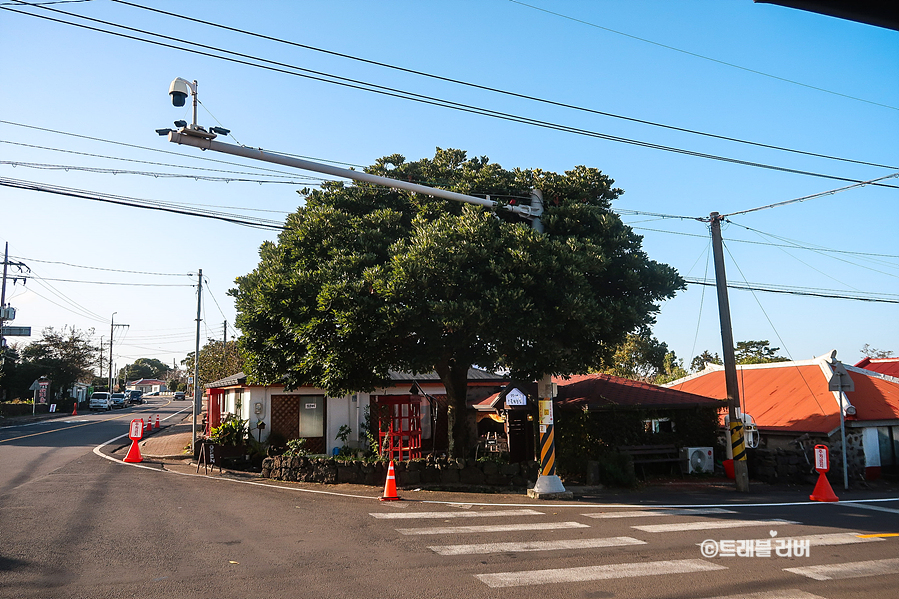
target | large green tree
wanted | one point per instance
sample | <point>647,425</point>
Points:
<point>218,360</point>
<point>65,356</point>
<point>144,368</point>
<point>366,279</point>
<point>642,357</point>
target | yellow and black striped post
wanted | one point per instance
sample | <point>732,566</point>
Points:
<point>547,441</point>
<point>736,440</point>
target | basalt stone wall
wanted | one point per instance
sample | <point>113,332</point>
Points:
<point>409,473</point>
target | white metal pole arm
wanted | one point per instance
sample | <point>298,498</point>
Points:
<point>532,212</point>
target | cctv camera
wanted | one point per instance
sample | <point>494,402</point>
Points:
<point>179,90</point>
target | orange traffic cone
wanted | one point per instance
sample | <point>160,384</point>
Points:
<point>823,490</point>
<point>75,411</point>
<point>390,485</point>
<point>157,421</point>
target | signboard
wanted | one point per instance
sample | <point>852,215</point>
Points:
<point>546,412</point>
<point>822,460</point>
<point>16,331</point>
<point>311,406</point>
<point>42,391</point>
<point>136,432</point>
<point>516,398</point>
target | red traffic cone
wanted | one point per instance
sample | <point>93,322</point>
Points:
<point>823,490</point>
<point>75,410</point>
<point>390,485</point>
<point>134,453</point>
<point>157,421</point>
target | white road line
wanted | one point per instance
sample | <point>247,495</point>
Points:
<point>535,546</point>
<point>629,570</point>
<point>874,567</point>
<point>445,530</point>
<point>440,515</point>
<point>710,524</point>
<point>644,513</point>
<point>784,594</point>
<point>866,506</point>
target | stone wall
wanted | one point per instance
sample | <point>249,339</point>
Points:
<point>796,466</point>
<point>422,472</point>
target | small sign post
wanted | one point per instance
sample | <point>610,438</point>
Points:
<point>823,490</point>
<point>135,433</point>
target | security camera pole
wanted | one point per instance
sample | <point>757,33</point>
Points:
<point>548,483</point>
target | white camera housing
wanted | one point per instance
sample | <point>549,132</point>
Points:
<point>179,90</point>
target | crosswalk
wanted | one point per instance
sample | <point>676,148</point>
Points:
<point>579,527</point>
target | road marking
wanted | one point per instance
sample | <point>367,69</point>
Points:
<point>834,538</point>
<point>439,515</point>
<point>677,512</point>
<point>710,524</point>
<point>874,567</point>
<point>445,530</point>
<point>879,535</point>
<point>585,573</point>
<point>784,594</point>
<point>535,546</point>
<point>875,508</point>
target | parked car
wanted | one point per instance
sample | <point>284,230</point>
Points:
<point>135,397</point>
<point>118,400</point>
<point>179,395</point>
<point>100,401</point>
<point>152,393</point>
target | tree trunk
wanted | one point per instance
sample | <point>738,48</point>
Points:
<point>454,377</point>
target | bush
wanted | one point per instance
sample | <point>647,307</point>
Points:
<point>233,431</point>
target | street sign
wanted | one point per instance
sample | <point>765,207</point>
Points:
<point>516,398</point>
<point>16,331</point>
<point>137,429</point>
<point>822,460</point>
<point>840,379</point>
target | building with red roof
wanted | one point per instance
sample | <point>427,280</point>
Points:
<point>792,400</point>
<point>887,366</point>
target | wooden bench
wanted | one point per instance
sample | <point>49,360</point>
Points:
<point>652,454</point>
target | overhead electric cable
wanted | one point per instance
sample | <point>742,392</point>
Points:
<point>696,55</point>
<point>488,88</point>
<point>132,272</point>
<point>135,203</point>
<point>392,92</point>
<point>823,293</point>
<point>116,283</point>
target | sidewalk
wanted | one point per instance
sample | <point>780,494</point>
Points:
<point>170,442</point>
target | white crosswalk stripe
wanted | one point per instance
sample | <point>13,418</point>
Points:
<point>445,530</point>
<point>874,567</point>
<point>781,594</point>
<point>448,515</point>
<point>535,546</point>
<point>666,512</point>
<point>833,538</point>
<point>604,572</point>
<point>710,525</point>
<point>868,506</point>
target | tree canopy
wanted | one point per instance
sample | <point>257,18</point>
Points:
<point>366,279</point>
<point>642,357</point>
<point>145,368</point>
<point>65,356</point>
<point>217,361</point>
<point>746,352</point>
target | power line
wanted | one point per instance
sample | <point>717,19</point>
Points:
<point>136,203</point>
<point>488,88</point>
<point>393,92</point>
<point>155,175</point>
<point>133,272</point>
<point>116,283</point>
<point>808,291</point>
<point>703,57</point>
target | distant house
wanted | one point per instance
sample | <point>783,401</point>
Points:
<point>791,402</point>
<point>146,385</point>
<point>887,366</point>
<point>409,415</point>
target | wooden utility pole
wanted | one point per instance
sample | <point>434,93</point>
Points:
<point>737,446</point>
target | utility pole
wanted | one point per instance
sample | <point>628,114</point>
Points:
<point>193,440</point>
<point>225,347</point>
<point>3,303</point>
<point>737,447</point>
<point>101,355</point>
<point>112,326</point>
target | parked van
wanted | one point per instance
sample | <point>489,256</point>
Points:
<point>100,401</point>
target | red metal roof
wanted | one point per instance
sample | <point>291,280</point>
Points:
<point>597,391</point>
<point>887,366</point>
<point>794,396</point>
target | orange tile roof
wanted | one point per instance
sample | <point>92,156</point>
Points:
<point>794,396</point>
<point>604,390</point>
<point>887,366</point>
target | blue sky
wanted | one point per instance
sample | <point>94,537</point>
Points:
<point>669,63</point>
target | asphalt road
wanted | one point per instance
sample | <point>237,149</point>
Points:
<point>77,524</point>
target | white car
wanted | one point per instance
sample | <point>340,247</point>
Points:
<point>100,401</point>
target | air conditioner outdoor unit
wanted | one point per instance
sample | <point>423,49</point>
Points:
<point>698,459</point>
